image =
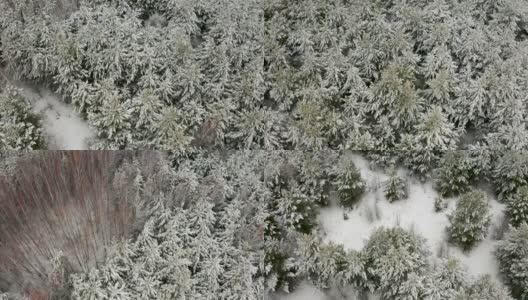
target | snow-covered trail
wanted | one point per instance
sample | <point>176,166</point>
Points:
<point>64,128</point>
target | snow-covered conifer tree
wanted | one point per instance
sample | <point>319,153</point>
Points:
<point>113,122</point>
<point>446,280</point>
<point>510,172</point>
<point>434,135</point>
<point>395,97</point>
<point>396,187</point>
<point>455,173</point>
<point>517,207</point>
<point>395,259</point>
<point>329,265</point>
<point>349,183</point>
<point>483,288</point>
<point>256,129</point>
<point>316,175</point>
<point>513,265</point>
<point>300,209</point>
<point>20,128</point>
<point>469,223</point>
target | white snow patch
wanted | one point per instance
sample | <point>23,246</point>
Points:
<point>415,213</point>
<point>65,129</point>
<point>304,291</point>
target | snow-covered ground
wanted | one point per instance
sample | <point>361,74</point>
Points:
<point>415,213</point>
<point>64,129</point>
<point>306,291</point>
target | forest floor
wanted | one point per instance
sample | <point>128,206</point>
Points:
<point>416,214</point>
<point>63,128</point>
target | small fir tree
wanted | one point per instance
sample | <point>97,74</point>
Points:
<point>284,273</point>
<point>20,128</point>
<point>440,204</point>
<point>396,187</point>
<point>447,278</point>
<point>512,254</point>
<point>469,223</point>
<point>455,173</point>
<point>413,288</point>
<point>393,257</point>
<point>433,136</point>
<point>510,172</point>
<point>517,207</point>
<point>350,184</point>
<point>320,261</point>
<point>300,209</point>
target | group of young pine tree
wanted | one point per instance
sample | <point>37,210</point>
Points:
<point>438,87</point>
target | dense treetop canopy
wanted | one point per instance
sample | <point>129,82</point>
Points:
<point>386,76</point>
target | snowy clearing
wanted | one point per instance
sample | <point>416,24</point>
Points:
<point>415,213</point>
<point>63,127</point>
<point>306,291</point>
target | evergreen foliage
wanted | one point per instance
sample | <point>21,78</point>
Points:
<point>512,254</point>
<point>181,254</point>
<point>316,176</point>
<point>483,288</point>
<point>297,183</point>
<point>435,85</point>
<point>403,79</point>
<point>329,265</point>
<point>300,209</point>
<point>396,187</point>
<point>517,207</point>
<point>456,173</point>
<point>253,210</point>
<point>191,71</point>
<point>434,136</point>
<point>510,172</point>
<point>283,274</point>
<point>350,184</point>
<point>394,259</point>
<point>447,279</point>
<point>469,223</point>
<point>20,128</point>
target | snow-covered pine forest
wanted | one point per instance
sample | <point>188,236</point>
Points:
<point>184,75</point>
<point>307,149</point>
